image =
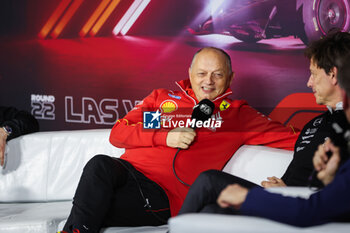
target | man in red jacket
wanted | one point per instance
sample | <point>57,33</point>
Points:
<point>141,188</point>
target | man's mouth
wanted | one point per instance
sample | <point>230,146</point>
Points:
<point>207,89</point>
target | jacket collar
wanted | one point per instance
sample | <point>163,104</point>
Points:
<point>185,86</point>
<point>338,106</point>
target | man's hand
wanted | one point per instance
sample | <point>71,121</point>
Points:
<point>180,138</point>
<point>326,167</point>
<point>273,182</point>
<point>3,137</point>
<point>233,195</point>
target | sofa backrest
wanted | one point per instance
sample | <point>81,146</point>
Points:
<point>46,166</point>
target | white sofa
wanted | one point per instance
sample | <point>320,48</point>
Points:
<point>43,169</point>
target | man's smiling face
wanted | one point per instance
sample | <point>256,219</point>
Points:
<point>210,74</point>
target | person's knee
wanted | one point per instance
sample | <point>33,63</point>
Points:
<point>207,175</point>
<point>98,163</point>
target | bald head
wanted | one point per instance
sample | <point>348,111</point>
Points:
<point>225,55</point>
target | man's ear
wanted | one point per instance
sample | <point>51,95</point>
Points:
<point>334,72</point>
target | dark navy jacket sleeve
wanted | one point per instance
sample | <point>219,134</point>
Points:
<point>328,205</point>
<point>21,122</point>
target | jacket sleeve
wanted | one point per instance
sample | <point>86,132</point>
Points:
<point>258,129</point>
<point>128,132</point>
<point>330,204</point>
<point>21,122</point>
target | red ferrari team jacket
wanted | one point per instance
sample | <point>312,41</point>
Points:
<point>233,124</point>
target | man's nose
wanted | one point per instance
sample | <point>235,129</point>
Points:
<point>309,82</point>
<point>209,79</point>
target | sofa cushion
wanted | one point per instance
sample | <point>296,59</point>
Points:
<point>32,217</point>
<point>50,217</point>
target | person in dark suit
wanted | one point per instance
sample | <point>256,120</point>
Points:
<point>329,204</point>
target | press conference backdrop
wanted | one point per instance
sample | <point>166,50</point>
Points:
<point>79,64</point>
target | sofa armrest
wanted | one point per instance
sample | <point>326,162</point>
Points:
<point>208,223</point>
